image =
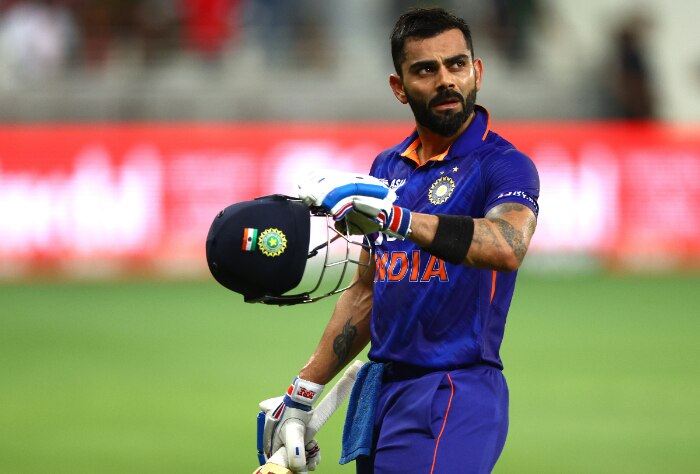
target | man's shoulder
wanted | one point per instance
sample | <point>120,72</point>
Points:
<point>496,148</point>
<point>496,144</point>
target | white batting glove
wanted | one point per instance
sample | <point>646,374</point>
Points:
<point>364,202</point>
<point>313,457</point>
<point>392,220</point>
<point>334,191</point>
<point>282,423</point>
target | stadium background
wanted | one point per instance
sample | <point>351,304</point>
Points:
<point>126,125</point>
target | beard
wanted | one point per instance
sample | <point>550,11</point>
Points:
<point>448,123</point>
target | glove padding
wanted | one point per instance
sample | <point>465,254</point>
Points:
<point>282,423</point>
<point>360,204</point>
<point>334,191</point>
<point>392,220</point>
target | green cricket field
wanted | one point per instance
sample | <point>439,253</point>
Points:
<point>165,377</point>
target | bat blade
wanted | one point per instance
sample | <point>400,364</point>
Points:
<point>326,407</point>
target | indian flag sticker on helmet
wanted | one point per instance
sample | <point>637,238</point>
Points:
<point>272,242</point>
<point>250,238</point>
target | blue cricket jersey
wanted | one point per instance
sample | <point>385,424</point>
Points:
<point>427,312</point>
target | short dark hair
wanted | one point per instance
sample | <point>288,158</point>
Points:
<point>424,23</point>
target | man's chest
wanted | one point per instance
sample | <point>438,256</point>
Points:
<point>450,187</point>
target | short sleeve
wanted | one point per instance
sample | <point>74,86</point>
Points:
<point>511,177</point>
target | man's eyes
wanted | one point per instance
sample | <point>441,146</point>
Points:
<point>460,64</point>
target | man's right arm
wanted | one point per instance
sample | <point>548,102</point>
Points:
<point>347,332</point>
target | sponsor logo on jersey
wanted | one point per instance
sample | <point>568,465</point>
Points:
<point>397,183</point>
<point>441,190</point>
<point>394,184</point>
<point>272,242</point>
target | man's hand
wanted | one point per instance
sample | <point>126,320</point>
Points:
<point>282,423</point>
<point>334,191</point>
<point>390,219</point>
<point>365,203</point>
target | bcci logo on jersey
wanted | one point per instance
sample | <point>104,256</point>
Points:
<point>441,190</point>
<point>272,242</point>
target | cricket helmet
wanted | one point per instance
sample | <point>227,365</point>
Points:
<point>261,249</point>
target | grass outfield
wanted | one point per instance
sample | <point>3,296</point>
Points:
<point>149,377</point>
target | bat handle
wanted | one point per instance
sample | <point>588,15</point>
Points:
<point>333,399</point>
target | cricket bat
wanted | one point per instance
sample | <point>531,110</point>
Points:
<point>277,464</point>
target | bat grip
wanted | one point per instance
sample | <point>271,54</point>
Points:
<point>333,399</point>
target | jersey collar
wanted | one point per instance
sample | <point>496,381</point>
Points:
<point>473,137</point>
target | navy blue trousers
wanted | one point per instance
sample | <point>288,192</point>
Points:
<point>439,422</point>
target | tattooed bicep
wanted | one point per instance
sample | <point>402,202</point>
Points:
<point>516,223</point>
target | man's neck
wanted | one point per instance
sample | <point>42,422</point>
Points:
<point>432,144</point>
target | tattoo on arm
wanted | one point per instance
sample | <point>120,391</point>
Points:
<point>486,238</point>
<point>516,239</point>
<point>342,344</point>
<point>513,238</point>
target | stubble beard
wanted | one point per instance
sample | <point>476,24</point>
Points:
<point>444,124</point>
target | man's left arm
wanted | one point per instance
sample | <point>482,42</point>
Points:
<point>500,239</point>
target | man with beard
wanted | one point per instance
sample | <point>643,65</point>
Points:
<point>446,252</point>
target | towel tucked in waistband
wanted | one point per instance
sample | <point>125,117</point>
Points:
<point>359,422</point>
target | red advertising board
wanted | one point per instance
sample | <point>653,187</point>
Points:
<point>143,195</point>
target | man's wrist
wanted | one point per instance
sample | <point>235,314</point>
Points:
<point>452,238</point>
<point>304,392</point>
<point>399,224</point>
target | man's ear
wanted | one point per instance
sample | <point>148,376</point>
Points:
<point>396,84</point>
<point>478,72</point>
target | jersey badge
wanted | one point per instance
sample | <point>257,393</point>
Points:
<point>441,190</point>
<point>272,242</point>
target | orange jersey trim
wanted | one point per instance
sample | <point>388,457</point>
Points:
<point>412,154</point>
<point>444,422</point>
<point>488,125</point>
<point>493,286</point>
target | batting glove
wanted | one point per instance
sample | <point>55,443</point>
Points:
<point>282,422</point>
<point>363,201</point>
<point>392,220</point>
<point>334,191</point>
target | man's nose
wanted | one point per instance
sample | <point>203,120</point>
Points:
<point>445,79</point>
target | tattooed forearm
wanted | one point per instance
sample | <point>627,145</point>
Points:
<point>514,239</point>
<point>342,344</point>
<point>501,240</point>
<point>484,238</point>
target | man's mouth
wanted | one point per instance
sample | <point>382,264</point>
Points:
<point>447,104</point>
<point>447,100</point>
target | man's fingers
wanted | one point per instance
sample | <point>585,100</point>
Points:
<point>313,455</point>
<point>293,436</point>
<point>359,223</point>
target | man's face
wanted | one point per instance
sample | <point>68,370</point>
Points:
<point>440,81</point>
